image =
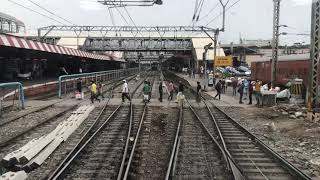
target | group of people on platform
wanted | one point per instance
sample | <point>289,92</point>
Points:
<point>244,88</point>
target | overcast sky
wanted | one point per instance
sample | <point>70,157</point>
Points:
<point>252,19</point>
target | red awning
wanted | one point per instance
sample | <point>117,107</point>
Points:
<point>19,42</point>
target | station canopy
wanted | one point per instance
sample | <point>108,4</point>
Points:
<point>22,43</point>
<point>199,43</point>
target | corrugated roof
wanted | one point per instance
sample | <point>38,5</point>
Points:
<point>19,42</point>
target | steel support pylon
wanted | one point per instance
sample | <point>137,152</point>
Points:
<point>314,55</point>
<point>275,41</point>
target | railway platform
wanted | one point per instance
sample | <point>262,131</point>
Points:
<point>226,99</point>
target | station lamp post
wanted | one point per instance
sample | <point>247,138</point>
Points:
<point>161,57</point>
<point>140,56</point>
<point>204,57</point>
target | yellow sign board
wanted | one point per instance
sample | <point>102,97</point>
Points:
<point>223,61</point>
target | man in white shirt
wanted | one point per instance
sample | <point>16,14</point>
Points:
<point>125,91</point>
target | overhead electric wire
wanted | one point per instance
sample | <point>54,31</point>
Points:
<point>201,5</point>
<point>38,5</point>
<point>209,12</point>
<point>125,20</point>
<point>197,5</point>
<point>18,4</point>
<point>129,16</point>
<point>222,12</point>
<point>111,17</point>
<point>195,10</point>
<point>132,20</point>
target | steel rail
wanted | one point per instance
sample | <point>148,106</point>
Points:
<point>84,137</point>
<point>274,155</point>
<point>233,165</point>
<point>236,171</point>
<point>81,144</point>
<point>175,148</point>
<point>225,155</point>
<point>87,137</point>
<point>284,163</point>
<point>124,156</point>
<point>127,144</point>
<point>228,158</point>
<point>125,176</point>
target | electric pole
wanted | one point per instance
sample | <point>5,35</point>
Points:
<point>314,56</point>
<point>216,34</point>
<point>275,41</point>
<point>139,60</point>
<point>161,57</point>
<point>204,58</point>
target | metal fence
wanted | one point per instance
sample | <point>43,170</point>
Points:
<point>69,81</point>
<point>12,85</point>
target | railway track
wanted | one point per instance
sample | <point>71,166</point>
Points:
<point>20,119</point>
<point>105,146</point>
<point>248,156</point>
<point>198,156</point>
<point>150,154</point>
<point>254,158</point>
<point>18,136</point>
<point>100,155</point>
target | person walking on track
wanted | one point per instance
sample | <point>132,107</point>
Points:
<point>146,91</point>
<point>258,93</point>
<point>125,91</point>
<point>180,95</point>
<point>180,89</point>
<point>100,90</point>
<point>234,86</point>
<point>218,88</point>
<point>79,93</point>
<point>93,90</point>
<point>241,91</point>
<point>150,87</point>
<point>170,89</point>
<point>198,92</point>
<point>160,91</point>
<point>223,85</point>
<point>250,92</point>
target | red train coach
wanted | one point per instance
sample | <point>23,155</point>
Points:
<point>289,67</point>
